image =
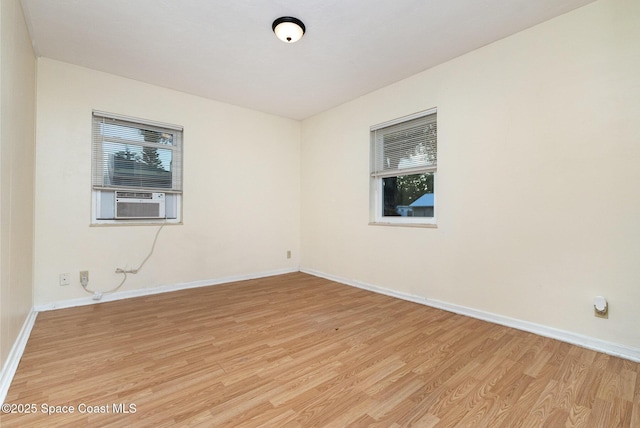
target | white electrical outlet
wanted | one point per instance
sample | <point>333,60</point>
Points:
<point>84,277</point>
<point>289,254</point>
<point>65,278</point>
<point>600,307</point>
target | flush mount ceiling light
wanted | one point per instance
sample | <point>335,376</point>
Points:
<point>288,29</point>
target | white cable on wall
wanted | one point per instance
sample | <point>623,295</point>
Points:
<point>97,295</point>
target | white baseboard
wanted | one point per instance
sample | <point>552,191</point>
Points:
<point>588,342</point>
<point>13,359</point>
<point>83,301</point>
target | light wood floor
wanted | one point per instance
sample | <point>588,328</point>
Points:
<point>297,350</point>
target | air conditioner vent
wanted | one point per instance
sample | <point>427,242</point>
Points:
<point>139,205</point>
<point>135,195</point>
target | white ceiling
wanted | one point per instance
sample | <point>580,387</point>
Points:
<point>225,49</point>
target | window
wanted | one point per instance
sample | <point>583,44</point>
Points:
<point>136,171</point>
<point>403,170</point>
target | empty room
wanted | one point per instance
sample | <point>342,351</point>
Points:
<point>320,213</point>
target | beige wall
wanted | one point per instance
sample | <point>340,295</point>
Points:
<point>241,207</point>
<point>538,208</point>
<point>17,161</point>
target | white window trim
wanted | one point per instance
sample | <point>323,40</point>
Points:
<point>376,216</point>
<point>397,220</point>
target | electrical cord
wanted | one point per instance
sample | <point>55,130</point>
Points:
<point>97,295</point>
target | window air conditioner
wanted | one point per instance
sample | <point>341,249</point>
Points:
<point>133,205</point>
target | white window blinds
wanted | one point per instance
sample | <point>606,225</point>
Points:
<point>405,147</point>
<point>128,154</point>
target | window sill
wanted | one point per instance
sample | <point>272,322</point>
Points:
<point>112,223</point>
<point>419,225</point>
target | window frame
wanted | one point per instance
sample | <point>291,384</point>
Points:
<point>101,191</point>
<point>376,209</point>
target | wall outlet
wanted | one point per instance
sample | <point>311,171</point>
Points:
<point>84,277</point>
<point>600,307</point>
<point>65,279</point>
<point>288,254</point>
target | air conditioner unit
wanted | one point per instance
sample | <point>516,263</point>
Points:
<point>133,205</point>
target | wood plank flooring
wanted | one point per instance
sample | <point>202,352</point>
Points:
<point>300,351</point>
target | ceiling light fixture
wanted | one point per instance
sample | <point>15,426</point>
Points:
<point>288,29</point>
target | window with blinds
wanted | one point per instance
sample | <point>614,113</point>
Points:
<point>404,155</point>
<point>133,155</point>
